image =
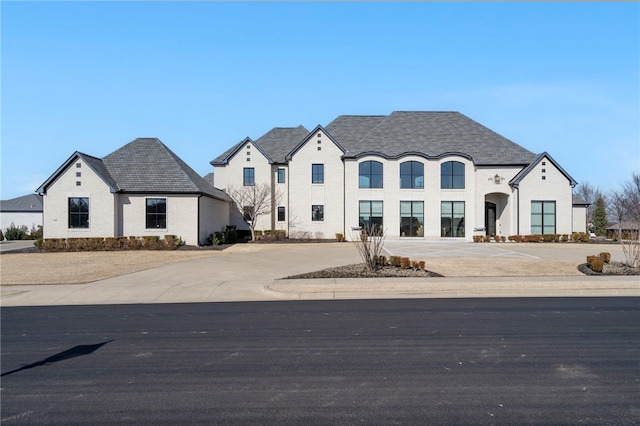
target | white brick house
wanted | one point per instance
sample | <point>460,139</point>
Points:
<point>428,175</point>
<point>141,189</point>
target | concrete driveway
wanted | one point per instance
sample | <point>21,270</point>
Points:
<point>252,272</point>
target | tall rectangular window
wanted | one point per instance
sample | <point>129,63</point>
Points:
<point>543,217</point>
<point>411,218</point>
<point>281,175</point>
<point>452,219</point>
<point>248,176</point>
<point>156,213</point>
<point>79,212</point>
<point>317,173</point>
<point>371,213</point>
<point>281,214</point>
<point>317,213</point>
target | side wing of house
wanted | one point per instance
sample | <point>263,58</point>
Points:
<point>545,200</point>
<point>158,215</point>
<point>78,202</point>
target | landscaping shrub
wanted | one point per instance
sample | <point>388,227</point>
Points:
<point>595,263</point>
<point>422,265</point>
<point>605,256</point>
<point>54,244</point>
<point>405,262</point>
<point>548,238</point>
<point>395,261</point>
<point>414,265</point>
<point>172,241</point>
<point>382,260</point>
<point>230,234</point>
<point>35,233</point>
<point>14,233</point>
<point>503,239</point>
<point>477,238</point>
<point>565,238</point>
<point>151,242</point>
<point>135,243</point>
<point>496,238</point>
<point>340,237</point>
<point>1,235</point>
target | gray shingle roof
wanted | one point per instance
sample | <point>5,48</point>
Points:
<point>275,144</point>
<point>432,134</point>
<point>429,134</point>
<point>26,203</point>
<point>144,165</point>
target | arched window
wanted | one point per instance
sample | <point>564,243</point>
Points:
<point>452,175</point>
<point>370,174</point>
<point>412,174</point>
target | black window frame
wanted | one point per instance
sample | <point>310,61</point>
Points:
<point>412,176</point>
<point>156,213</point>
<point>447,228</point>
<point>78,212</point>
<point>248,176</point>
<point>317,213</point>
<point>410,225</point>
<point>544,214</point>
<point>317,173</point>
<point>373,178</point>
<point>449,171</point>
<point>281,213</point>
<point>377,221</point>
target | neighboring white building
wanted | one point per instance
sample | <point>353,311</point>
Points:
<point>428,175</point>
<point>21,211</point>
<point>142,189</point>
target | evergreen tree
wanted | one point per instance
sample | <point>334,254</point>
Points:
<point>600,217</point>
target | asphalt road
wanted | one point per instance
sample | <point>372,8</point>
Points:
<point>435,361</point>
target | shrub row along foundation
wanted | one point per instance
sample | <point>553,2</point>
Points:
<point>535,238</point>
<point>170,242</point>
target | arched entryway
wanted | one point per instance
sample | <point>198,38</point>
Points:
<point>496,217</point>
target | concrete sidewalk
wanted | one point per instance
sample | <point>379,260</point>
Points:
<point>253,272</point>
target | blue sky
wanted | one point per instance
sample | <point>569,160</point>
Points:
<point>92,76</point>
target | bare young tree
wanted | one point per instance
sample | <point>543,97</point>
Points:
<point>626,205</point>
<point>254,201</point>
<point>369,244</point>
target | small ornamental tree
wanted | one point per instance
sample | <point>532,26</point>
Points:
<point>254,201</point>
<point>370,243</point>
<point>600,217</point>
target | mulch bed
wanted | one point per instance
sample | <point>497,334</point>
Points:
<point>359,270</point>
<point>612,268</point>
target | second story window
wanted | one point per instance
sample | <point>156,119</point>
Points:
<point>370,174</point>
<point>317,173</point>
<point>452,175</point>
<point>248,176</point>
<point>281,175</point>
<point>412,175</point>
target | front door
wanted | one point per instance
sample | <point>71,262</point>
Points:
<point>490,218</point>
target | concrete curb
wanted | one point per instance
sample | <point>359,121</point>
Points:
<point>455,287</point>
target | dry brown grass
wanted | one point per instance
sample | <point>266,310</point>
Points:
<point>84,267</point>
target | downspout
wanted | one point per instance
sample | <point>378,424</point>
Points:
<point>518,209</point>
<point>198,227</point>
<point>344,199</point>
